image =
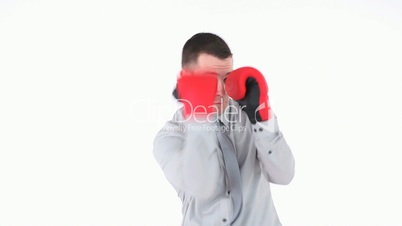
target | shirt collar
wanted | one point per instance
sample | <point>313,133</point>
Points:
<point>226,116</point>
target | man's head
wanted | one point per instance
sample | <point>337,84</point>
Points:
<point>208,52</point>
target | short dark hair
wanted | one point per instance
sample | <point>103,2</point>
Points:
<point>207,43</point>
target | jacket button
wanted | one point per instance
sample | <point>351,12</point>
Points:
<point>224,219</point>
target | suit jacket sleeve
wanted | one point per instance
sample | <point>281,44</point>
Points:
<point>274,153</point>
<point>188,155</point>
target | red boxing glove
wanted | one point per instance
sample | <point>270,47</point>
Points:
<point>197,92</point>
<point>248,87</point>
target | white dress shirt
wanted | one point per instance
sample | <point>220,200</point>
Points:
<point>190,156</point>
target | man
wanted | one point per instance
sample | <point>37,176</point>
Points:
<point>221,153</point>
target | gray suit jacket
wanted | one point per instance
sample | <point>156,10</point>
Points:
<point>190,156</point>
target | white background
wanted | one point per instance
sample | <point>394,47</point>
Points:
<point>85,85</point>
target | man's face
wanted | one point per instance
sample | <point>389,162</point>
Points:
<point>222,68</point>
